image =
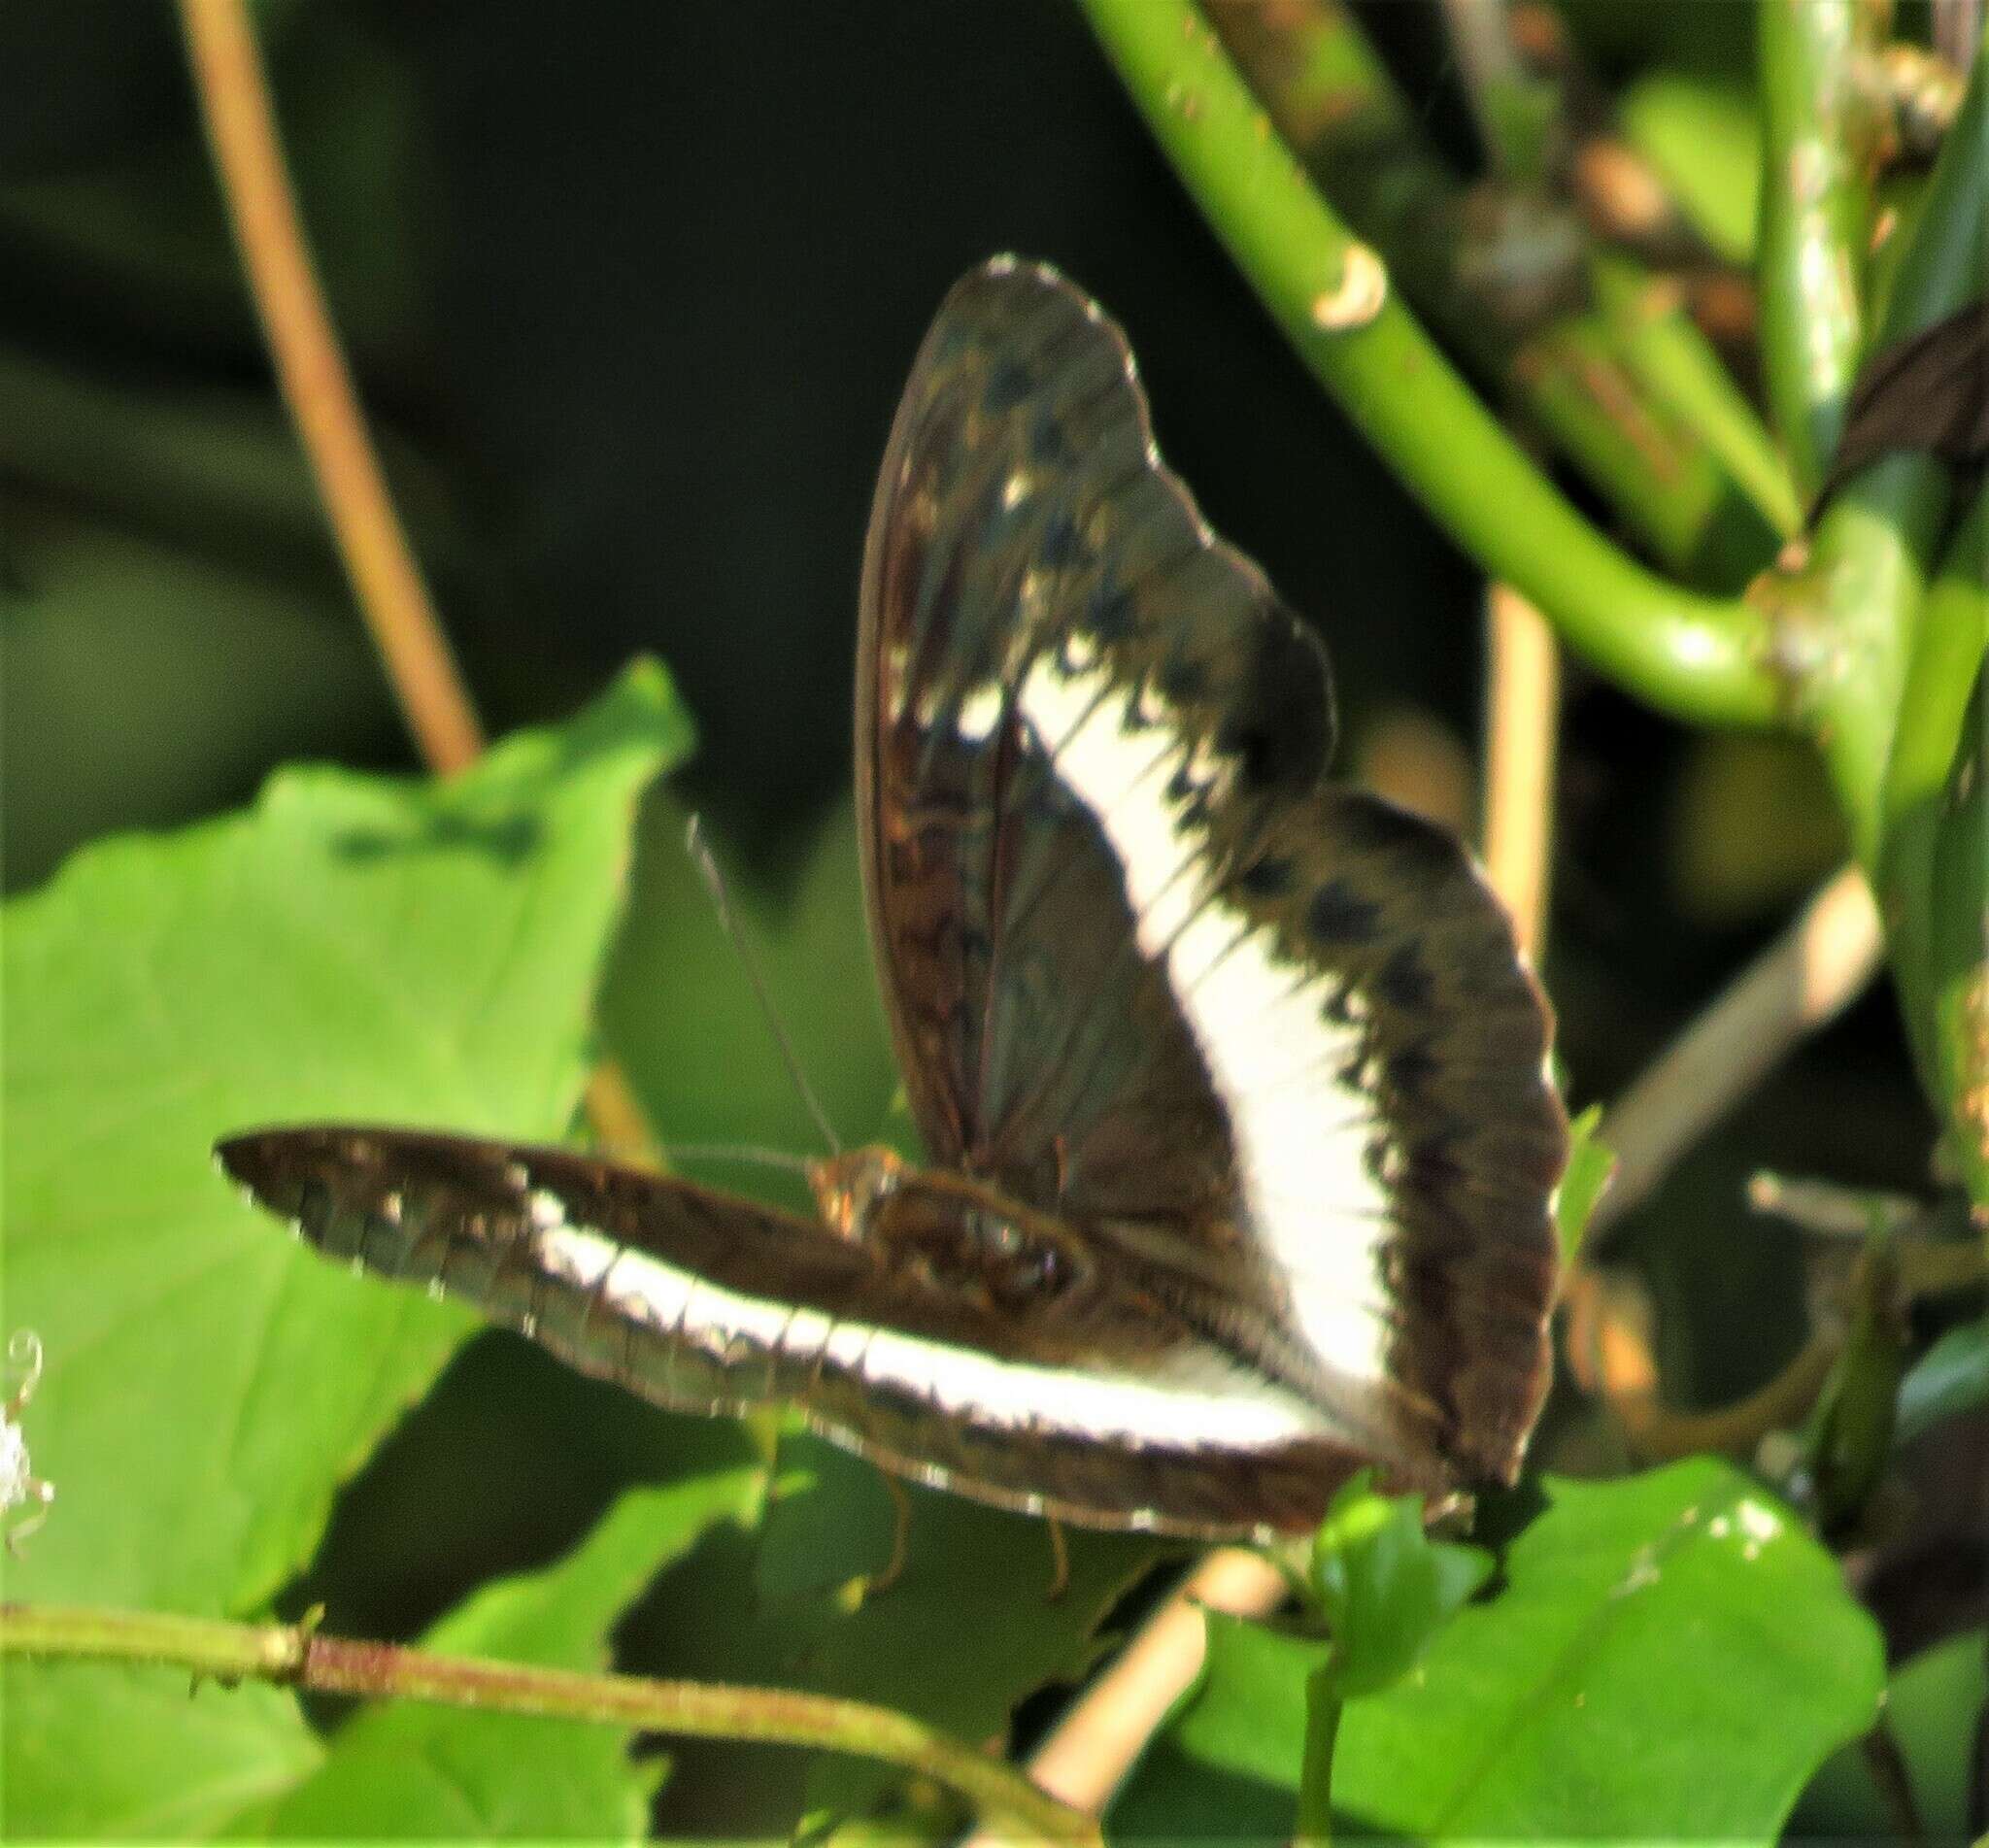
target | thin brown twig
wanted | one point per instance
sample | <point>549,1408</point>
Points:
<point>316,384</point>
<point>1803,979</point>
<point>1521,730</point>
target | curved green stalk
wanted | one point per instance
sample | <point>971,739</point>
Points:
<point>298,1656</point>
<point>1323,1709</point>
<point>1816,210</point>
<point>1677,367</point>
<point>1698,657</point>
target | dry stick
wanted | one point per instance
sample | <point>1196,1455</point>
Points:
<point>1803,979</point>
<point>1522,729</point>
<point>317,384</point>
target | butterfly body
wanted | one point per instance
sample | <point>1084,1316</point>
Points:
<point>1232,1080</point>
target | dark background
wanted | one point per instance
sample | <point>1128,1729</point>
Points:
<point>631,290</point>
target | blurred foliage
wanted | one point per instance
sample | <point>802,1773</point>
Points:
<point>629,303</point>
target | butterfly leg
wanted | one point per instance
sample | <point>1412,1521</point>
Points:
<point>900,1535</point>
<point>1060,1557</point>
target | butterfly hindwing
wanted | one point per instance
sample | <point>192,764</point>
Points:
<point>1270,1038</point>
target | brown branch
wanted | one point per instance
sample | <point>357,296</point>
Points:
<point>318,386</point>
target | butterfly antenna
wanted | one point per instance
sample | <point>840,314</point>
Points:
<point>734,1152</point>
<point>715,880</point>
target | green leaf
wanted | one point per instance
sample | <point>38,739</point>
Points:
<point>110,1753</point>
<point>410,1769</point>
<point>1704,136</point>
<point>1386,1586</point>
<point>1932,1709</point>
<point>1591,1162</point>
<point>1668,1656</point>
<point>1952,1376</point>
<point>351,947</point>
<point>968,1630</point>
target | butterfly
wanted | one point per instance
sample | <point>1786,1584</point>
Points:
<point>1233,1085</point>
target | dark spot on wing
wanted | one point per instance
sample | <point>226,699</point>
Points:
<point>1182,681</point>
<point>1008,384</point>
<point>1411,1071</point>
<point>1433,1163</point>
<point>1109,615</point>
<point>1049,441</point>
<point>1270,877</point>
<point>1404,981</point>
<point>1280,724</point>
<point>1375,826</point>
<point>1339,914</point>
<point>1059,543</point>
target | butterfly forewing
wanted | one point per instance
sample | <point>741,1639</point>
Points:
<point>1100,1410</point>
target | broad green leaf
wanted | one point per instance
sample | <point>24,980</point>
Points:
<point>959,1640</point>
<point>110,1753</point>
<point>405,1768</point>
<point>1932,1711</point>
<point>351,947</point>
<point>1591,1161</point>
<point>1386,1586</point>
<point>1226,1765</point>
<point>1668,1656</point>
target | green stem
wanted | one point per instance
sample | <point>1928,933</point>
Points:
<point>1628,388</point>
<point>1677,368</point>
<point>1948,653</point>
<point>294,1656</point>
<point>1850,614</point>
<point>1816,209</point>
<point>1699,659</point>
<point>1323,1710</point>
<point>1931,885</point>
